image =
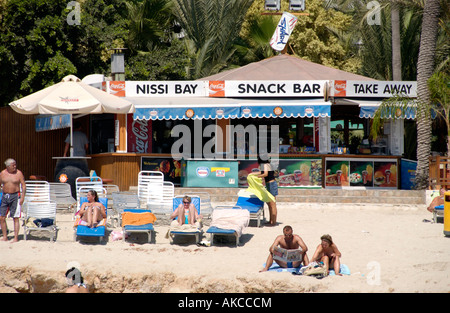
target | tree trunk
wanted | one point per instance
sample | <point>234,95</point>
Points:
<point>425,68</point>
<point>396,45</point>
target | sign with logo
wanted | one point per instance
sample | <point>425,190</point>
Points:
<point>139,135</point>
<point>284,29</point>
<point>217,88</point>
<point>375,89</point>
<point>117,88</point>
<point>202,171</point>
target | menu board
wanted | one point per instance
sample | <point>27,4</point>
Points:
<point>290,172</point>
<point>300,173</point>
<point>379,173</point>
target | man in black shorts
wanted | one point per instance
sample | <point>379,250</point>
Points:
<point>11,179</point>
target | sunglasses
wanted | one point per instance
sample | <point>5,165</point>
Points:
<point>186,202</point>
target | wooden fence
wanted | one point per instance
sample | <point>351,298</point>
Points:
<point>439,174</point>
<point>33,151</point>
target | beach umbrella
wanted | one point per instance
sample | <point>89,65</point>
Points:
<point>71,96</point>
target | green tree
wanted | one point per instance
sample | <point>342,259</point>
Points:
<point>212,31</point>
<point>38,47</point>
<point>425,68</point>
<point>315,36</point>
<point>150,23</point>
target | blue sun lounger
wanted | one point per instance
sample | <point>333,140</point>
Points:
<point>214,230</point>
<point>146,228</point>
<point>85,231</point>
<point>174,232</point>
<point>438,211</point>
<point>254,206</point>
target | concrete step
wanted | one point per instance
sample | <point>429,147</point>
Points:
<point>347,196</point>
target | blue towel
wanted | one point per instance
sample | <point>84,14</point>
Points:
<point>344,270</point>
<point>276,268</point>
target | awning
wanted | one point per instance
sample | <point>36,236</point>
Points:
<point>367,110</point>
<point>177,108</point>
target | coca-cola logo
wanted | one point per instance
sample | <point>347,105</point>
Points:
<point>117,86</point>
<point>217,88</point>
<point>340,88</point>
<point>140,131</point>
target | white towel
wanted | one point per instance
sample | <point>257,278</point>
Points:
<point>235,219</point>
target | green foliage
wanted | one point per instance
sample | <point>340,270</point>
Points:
<point>167,63</point>
<point>212,32</point>
<point>314,37</point>
<point>38,47</point>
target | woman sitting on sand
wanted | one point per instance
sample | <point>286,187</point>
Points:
<point>92,211</point>
<point>328,253</point>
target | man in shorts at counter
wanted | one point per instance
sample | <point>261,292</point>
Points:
<point>11,179</point>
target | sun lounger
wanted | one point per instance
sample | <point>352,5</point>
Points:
<point>254,206</point>
<point>141,221</point>
<point>85,231</point>
<point>438,211</point>
<point>228,221</point>
<point>40,216</point>
<point>185,229</point>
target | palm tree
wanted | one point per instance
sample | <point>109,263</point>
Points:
<point>212,29</point>
<point>439,87</point>
<point>149,21</point>
<point>425,68</point>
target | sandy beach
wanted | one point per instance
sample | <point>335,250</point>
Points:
<point>388,249</point>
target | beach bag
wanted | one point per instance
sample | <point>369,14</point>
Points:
<point>316,270</point>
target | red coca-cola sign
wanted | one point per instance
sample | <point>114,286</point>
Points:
<point>139,135</point>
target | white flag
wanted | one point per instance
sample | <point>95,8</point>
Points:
<point>283,31</point>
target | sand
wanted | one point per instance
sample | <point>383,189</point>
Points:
<point>387,249</point>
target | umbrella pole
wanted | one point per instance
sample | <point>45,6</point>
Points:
<point>71,135</point>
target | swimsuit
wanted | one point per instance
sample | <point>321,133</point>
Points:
<point>10,202</point>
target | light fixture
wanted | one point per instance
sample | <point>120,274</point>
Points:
<point>272,5</point>
<point>297,5</point>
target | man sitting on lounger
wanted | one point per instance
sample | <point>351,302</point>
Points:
<point>288,241</point>
<point>439,200</point>
<point>186,212</point>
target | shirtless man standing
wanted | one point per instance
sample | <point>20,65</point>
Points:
<point>11,179</point>
<point>287,241</point>
<point>328,253</point>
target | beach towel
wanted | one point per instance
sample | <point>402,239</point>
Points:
<point>137,219</point>
<point>344,269</point>
<point>185,228</point>
<point>256,188</point>
<point>277,268</point>
<point>79,221</point>
<point>234,219</point>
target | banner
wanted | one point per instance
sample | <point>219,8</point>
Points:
<point>283,31</point>
<point>374,89</point>
<point>139,135</point>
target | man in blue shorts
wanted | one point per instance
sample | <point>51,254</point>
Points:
<point>11,179</point>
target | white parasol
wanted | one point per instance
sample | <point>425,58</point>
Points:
<point>71,96</point>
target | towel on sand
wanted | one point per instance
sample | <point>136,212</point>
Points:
<point>256,187</point>
<point>235,219</point>
<point>136,219</point>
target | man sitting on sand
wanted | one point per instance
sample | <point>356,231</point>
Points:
<point>328,253</point>
<point>287,241</point>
